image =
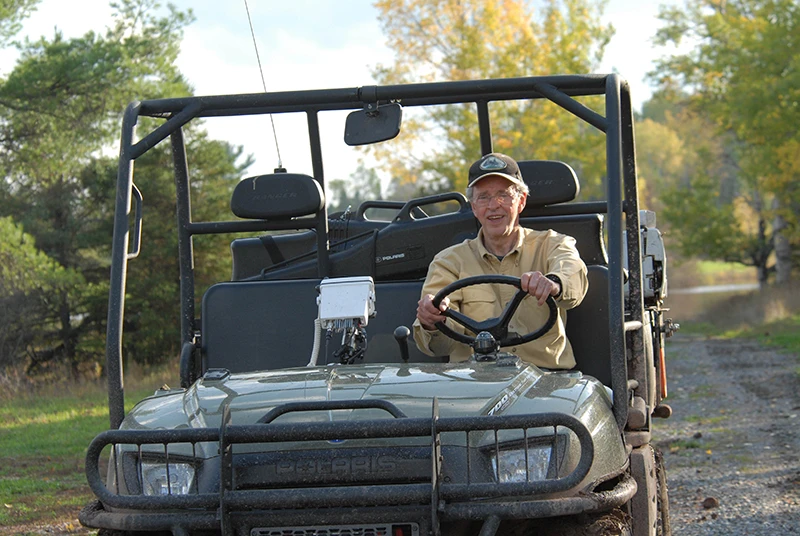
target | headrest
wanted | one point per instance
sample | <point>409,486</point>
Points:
<point>549,181</point>
<point>277,196</point>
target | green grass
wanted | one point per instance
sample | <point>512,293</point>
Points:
<point>684,444</point>
<point>783,333</point>
<point>700,419</point>
<point>703,391</point>
<point>717,268</point>
<point>43,439</point>
<point>696,272</point>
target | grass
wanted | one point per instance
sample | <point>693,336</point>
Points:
<point>695,273</point>
<point>44,434</point>
<point>703,391</point>
<point>745,461</point>
<point>684,444</point>
<point>783,333</point>
<point>700,419</point>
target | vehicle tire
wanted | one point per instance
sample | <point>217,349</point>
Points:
<point>617,522</point>
<point>662,497</point>
<point>614,523</point>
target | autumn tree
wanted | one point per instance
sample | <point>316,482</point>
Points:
<point>473,39</point>
<point>742,74</point>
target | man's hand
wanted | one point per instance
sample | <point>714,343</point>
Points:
<point>539,286</point>
<point>429,315</point>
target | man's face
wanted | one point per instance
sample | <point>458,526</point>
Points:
<point>497,205</point>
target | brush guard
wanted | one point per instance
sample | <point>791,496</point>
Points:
<point>433,500</point>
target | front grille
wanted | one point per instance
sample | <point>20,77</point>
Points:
<point>384,529</point>
<point>340,466</point>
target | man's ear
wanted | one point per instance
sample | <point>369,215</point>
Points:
<point>522,203</point>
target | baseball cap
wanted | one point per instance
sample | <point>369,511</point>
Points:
<point>495,164</point>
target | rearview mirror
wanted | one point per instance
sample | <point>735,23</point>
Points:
<point>372,126</point>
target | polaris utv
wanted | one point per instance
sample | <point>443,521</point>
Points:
<point>304,408</point>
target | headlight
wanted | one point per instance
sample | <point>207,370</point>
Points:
<point>166,479</point>
<point>509,465</point>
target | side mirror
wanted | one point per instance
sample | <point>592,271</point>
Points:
<point>372,126</point>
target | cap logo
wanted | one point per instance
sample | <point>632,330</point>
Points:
<point>492,164</point>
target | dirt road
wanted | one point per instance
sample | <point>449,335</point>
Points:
<point>732,446</point>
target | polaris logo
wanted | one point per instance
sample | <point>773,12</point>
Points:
<point>273,196</point>
<point>387,258</point>
<point>338,466</point>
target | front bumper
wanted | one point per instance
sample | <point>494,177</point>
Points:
<point>426,504</point>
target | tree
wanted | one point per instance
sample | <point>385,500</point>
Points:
<point>691,175</point>
<point>661,160</point>
<point>743,74</point>
<point>12,13</point>
<point>473,39</point>
<point>362,185</point>
<point>59,107</point>
<point>28,281</point>
<point>153,292</point>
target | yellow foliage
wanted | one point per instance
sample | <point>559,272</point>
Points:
<point>437,40</point>
<point>746,216</point>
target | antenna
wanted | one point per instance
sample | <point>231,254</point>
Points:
<point>263,82</point>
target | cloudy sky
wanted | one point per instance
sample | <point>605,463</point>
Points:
<point>306,44</point>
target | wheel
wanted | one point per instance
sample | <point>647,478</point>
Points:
<point>497,327</point>
<point>662,497</point>
<point>617,522</point>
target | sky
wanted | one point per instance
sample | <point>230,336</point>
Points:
<point>309,44</point>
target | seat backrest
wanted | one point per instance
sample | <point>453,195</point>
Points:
<point>277,196</point>
<point>587,328</point>
<point>550,182</point>
<point>586,229</point>
<point>262,325</point>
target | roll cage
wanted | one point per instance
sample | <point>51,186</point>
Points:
<point>626,325</point>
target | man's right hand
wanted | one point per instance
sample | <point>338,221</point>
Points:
<point>429,315</point>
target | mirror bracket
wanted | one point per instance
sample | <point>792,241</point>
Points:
<point>375,122</point>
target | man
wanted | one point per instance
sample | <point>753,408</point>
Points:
<point>546,262</point>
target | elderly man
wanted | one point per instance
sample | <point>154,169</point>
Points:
<point>546,262</point>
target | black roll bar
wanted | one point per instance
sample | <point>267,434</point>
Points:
<point>621,205</point>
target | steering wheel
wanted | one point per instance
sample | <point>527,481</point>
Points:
<point>498,326</point>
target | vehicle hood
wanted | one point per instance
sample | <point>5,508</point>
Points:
<point>462,389</point>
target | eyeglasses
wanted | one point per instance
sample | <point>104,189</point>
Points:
<point>504,198</point>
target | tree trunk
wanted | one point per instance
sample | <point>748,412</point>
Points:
<point>67,335</point>
<point>761,272</point>
<point>783,248</point>
<point>763,250</point>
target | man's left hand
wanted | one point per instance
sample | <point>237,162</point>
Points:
<point>539,286</point>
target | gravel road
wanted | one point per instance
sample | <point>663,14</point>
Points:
<point>732,445</point>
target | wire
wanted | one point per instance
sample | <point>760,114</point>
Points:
<point>263,82</point>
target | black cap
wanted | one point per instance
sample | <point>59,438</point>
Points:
<point>495,164</point>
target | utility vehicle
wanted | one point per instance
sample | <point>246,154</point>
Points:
<point>305,409</point>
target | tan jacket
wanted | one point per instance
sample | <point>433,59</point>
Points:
<point>544,251</point>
